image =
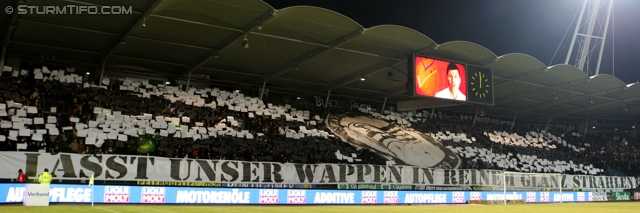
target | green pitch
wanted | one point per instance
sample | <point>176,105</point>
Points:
<point>536,208</point>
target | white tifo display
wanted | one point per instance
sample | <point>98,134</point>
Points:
<point>36,195</point>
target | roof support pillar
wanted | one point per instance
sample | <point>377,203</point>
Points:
<point>586,125</point>
<point>383,104</point>
<point>547,127</point>
<point>104,61</point>
<point>188,81</point>
<point>474,117</point>
<point>433,110</point>
<point>264,84</point>
<point>514,120</point>
<point>3,57</point>
<point>327,102</point>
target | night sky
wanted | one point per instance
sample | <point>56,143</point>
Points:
<point>533,27</point>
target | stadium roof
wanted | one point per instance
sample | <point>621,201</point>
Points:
<point>304,49</point>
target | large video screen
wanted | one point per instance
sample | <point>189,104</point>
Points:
<point>439,79</point>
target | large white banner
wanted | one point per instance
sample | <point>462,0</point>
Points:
<point>403,145</point>
<point>141,168</point>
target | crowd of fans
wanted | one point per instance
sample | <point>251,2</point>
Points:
<point>272,146</point>
<point>602,150</point>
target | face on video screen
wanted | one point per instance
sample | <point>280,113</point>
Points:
<point>393,142</point>
<point>440,79</point>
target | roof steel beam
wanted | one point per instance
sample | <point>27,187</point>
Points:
<point>170,43</point>
<point>568,91</point>
<point>357,75</point>
<point>54,47</point>
<point>371,70</point>
<point>92,4</point>
<point>595,106</point>
<point>132,26</point>
<point>12,26</point>
<point>565,100</point>
<point>150,60</point>
<point>196,22</point>
<point>396,90</point>
<point>257,75</point>
<point>227,42</point>
<point>300,92</point>
<point>522,76</point>
<point>609,115</point>
<point>307,56</point>
<point>537,91</point>
<point>69,27</point>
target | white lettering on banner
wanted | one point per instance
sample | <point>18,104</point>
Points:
<point>15,194</point>
<point>136,168</point>
<point>425,198</point>
<point>116,194</point>
<point>76,195</point>
<point>457,197</point>
<point>475,196</point>
<point>510,196</point>
<point>369,197</point>
<point>531,197</point>
<point>193,196</point>
<point>268,196</point>
<point>334,197</point>
<point>153,195</point>
<point>564,197</point>
<point>390,197</point>
<point>296,196</point>
<point>622,196</point>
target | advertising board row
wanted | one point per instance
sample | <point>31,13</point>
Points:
<point>71,193</point>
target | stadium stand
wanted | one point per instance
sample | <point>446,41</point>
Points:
<point>216,124</point>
